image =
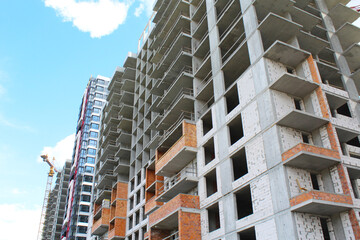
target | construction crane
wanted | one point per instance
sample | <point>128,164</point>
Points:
<point>47,192</point>
<point>356,8</point>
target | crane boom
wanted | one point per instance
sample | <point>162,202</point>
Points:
<point>47,193</point>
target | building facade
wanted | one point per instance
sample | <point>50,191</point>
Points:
<point>79,195</point>
<point>56,205</point>
<point>243,124</point>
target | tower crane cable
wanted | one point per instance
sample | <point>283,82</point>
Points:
<point>47,192</point>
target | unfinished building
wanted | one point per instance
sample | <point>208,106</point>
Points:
<point>245,125</point>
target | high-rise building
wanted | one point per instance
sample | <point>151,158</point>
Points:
<point>56,205</point>
<point>79,195</point>
<point>245,125</point>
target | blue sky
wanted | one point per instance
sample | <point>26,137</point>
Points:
<point>47,54</point>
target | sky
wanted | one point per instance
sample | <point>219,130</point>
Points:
<point>48,51</point>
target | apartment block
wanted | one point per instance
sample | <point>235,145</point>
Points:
<point>81,183</point>
<point>56,205</point>
<point>241,122</point>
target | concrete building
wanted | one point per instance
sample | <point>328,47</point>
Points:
<point>79,195</point>
<point>245,125</point>
<point>56,205</point>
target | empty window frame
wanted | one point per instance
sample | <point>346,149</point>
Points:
<point>211,183</point>
<point>207,123</point>
<point>236,129</point>
<point>213,217</point>
<point>239,163</point>
<point>209,151</point>
<point>232,99</point>
<point>244,202</point>
<point>247,234</point>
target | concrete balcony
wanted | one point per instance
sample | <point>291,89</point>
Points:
<point>125,110</point>
<point>106,180</point>
<point>286,54</point>
<point>310,157</point>
<point>346,127</point>
<point>280,7</point>
<point>332,3</point>
<point>341,14</point>
<point>182,212</point>
<point>226,13</point>
<point>352,55</point>
<point>181,150</point>
<point>293,85</point>
<point>348,35</point>
<point>108,164</point>
<point>321,203</point>
<point>109,148</point>
<point>311,43</point>
<point>302,121</point>
<point>304,18</point>
<point>205,88</point>
<point>199,11</point>
<point>125,124</point>
<point>122,167</point>
<point>126,97</point>
<point>274,27</point>
<point>101,218</point>
<point>182,182</point>
<point>123,151</point>
<point>151,205</point>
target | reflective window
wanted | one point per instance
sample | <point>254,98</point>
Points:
<point>84,208</point>
<point>94,126</point>
<point>90,160</point>
<point>86,188</point>
<point>92,142</point>
<point>88,178</point>
<point>85,198</point>
<point>89,169</point>
<point>93,134</point>
<point>95,118</point>
<point>91,151</point>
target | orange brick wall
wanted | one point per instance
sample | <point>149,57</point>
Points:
<point>189,226</point>
<point>309,148</point>
<point>157,234</point>
<point>151,204</point>
<point>331,197</point>
<point>354,223</point>
<point>103,220</point>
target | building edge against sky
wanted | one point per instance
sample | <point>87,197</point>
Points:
<point>235,120</point>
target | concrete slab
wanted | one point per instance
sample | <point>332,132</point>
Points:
<point>183,185</point>
<point>348,35</point>
<point>293,85</point>
<point>341,14</point>
<point>311,161</point>
<point>320,207</point>
<point>302,120</point>
<point>346,134</point>
<point>286,54</point>
<point>306,19</point>
<point>274,27</point>
<point>352,55</point>
<point>302,3</point>
<point>332,3</point>
<point>311,43</point>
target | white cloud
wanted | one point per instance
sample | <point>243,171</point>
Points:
<point>62,151</point>
<point>146,5</point>
<point>99,18</point>
<point>14,216</point>
<point>139,10</point>
<point>17,191</point>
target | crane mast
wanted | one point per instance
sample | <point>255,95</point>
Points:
<point>47,193</point>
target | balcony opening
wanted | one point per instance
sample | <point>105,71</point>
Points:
<point>325,228</point>
<point>330,76</point>
<point>306,138</point>
<point>207,123</point>
<point>248,234</point>
<point>354,175</point>
<point>213,217</point>
<point>139,178</point>
<point>244,202</point>
<point>138,199</point>
<point>354,142</point>
<point>236,129</point>
<point>130,222</point>
<point>232,99</point>
<point>314,181</point>
<point>144,230</point>
<point>132,185</point>
<point>344,110</point>
<point>131,203</point>
<point>136,236</point>
<point>209,150</point>
<point>298,104</point>
<point>211,183</point>
<point>239,163</point>
<point>137,218</point>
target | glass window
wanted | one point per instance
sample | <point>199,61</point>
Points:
<point>85,198</point>
<point>96,110</point>
<point>91,151</point>
<point>89,169</point>
<point>94,126</point>
<point>100,81</point>
<point>99,88</point>
<point>83,218</point>
<point>86,128</point>
<point>83,144</point>
<point>98,95</point>
<point>82,229</point>
<point>88,178</point>
<point>84,208</point>
<point>81,169</point>
<point>86,188</point>
<point>97,103</point>
<point>92,142</point>
<point>82,153</point>
<point>90,160</point>
<point>93,134</point>
<point>82,161</point>
<point>95,118</point>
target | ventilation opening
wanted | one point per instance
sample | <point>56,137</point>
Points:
<point>207,122</point>
<point>213,217</point>
<point>325,228</point>
<point>344,110</point>
<point>211,183</point>
<point>232,99</point>
<point>239,162</point>
<point>209,150</point>
<point>314,181</point>
<point>243,202</point>
<point>354,142</point>
<point>297,103</point>
<point>290,70</point>
<point>236,129</point>
<point>248,234</point>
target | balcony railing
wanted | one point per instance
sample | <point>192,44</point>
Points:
<point>168,183</point>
